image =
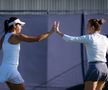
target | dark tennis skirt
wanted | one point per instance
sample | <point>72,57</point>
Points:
<point>97,71</point>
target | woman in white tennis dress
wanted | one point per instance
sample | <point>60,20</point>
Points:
<point>10,43</point>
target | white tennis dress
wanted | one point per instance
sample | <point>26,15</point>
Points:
<point>8,68</point>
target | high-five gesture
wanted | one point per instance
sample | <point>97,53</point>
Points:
<point>55,27</point>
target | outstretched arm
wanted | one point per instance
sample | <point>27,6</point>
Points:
<point>22,37</point>
<point>68,38</point>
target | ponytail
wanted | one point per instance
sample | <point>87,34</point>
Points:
<point>101,21</point>
<point>6,28</point>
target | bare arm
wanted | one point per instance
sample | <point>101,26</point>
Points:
<point>38,38</point>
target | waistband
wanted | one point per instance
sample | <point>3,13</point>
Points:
<point>97,62</point>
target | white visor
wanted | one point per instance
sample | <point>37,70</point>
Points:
<point>16,21</point>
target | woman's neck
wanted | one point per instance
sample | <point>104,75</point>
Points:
<point>97,32</point>
<point>14,31</point>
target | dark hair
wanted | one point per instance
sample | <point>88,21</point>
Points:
<point>96,23</point>
<point>8,28</point>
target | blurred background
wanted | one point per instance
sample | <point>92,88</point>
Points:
<point>53,64</point>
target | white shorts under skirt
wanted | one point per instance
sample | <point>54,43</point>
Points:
<point>11,74</point>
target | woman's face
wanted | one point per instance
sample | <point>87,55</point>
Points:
<point>90,29</point>
<point>18,28</point>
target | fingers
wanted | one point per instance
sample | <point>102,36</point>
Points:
<point>58,24</point>
<point>54,27</point>
<point>54,24</point>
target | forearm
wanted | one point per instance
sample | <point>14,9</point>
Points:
<point>22,37</point>
<point>78,39</point>
<point>44,36</point>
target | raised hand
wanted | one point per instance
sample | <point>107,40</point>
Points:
<point>55,27</point>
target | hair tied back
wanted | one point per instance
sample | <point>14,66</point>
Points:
<point>101,21</point>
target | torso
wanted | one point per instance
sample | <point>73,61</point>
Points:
<point>10,51</point>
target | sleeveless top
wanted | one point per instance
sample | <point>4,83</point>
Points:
<point>10,51</point>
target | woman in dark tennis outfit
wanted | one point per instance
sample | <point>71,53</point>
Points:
<point>10,43</point>
<point>97,47</point>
